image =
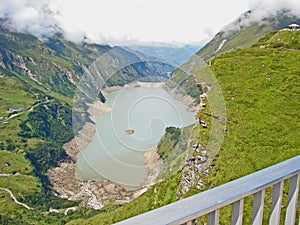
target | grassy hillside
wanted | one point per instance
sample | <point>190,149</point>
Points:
<point>261,90</point>
<point>242,33</point>
<point>245,32</point>
<point>30,72</point>
<point>40,79</point>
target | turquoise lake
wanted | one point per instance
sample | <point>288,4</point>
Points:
<point>119,157</point>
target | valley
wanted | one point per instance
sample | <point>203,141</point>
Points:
<point>248,144</point>
<point>60,86</point>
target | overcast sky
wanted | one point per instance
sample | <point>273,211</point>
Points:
<point>124,21</point>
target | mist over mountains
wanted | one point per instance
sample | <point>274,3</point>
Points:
<point>255,65</point>
<point>175,54</point>
<point>246,31</point>
<point>44,19</point>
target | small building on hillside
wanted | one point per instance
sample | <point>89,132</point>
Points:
<point>293,26</point>
<point>6,164</point>
<point>16,109</point>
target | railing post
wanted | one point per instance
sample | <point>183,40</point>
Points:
<point>213,217</point>
<point>187,211</point>
<point>192,222</point>
<point>276,203</point>
<point>258,208</point>
<point>237,212</point>
<point>290,216</point>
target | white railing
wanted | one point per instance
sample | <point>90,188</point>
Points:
<point>187,211</point>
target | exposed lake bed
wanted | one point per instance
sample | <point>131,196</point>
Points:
<point>96,192</point>
<point>113,154</point>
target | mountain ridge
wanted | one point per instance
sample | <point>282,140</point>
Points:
<point>260,88</point>
<point>40,79</point>
<point>255,81</point>
<point>242,33</point>
<point>176,55</point>
<point>245,31</point>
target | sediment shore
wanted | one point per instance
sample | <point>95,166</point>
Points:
<point>96,193</point>
<point>134,84</point>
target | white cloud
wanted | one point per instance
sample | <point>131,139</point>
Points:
<point>120,22</point>
<point>266,7</point>
<point>33,16</point>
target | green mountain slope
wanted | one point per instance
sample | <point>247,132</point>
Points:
<point>261,90</point>
<point>244,32</point>
<point>38,81</point>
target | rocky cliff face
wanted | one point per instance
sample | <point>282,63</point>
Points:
<point>196,160</point>
<point>58,65</point>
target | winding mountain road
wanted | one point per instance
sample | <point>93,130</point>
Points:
<point>28,110</point>
<point>14,198</point>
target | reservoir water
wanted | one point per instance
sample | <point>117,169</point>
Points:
<point>117,155</point>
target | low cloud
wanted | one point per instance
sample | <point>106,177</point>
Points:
<point>271,7</point>
<point>44,18</point>
<point>30,16</point>
<point>261,9</point>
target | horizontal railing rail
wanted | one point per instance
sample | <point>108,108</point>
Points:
<point>188,210</point>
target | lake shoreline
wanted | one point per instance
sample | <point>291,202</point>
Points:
<point>134,84</point>
<point>97,193</point>
<point>189,101</point>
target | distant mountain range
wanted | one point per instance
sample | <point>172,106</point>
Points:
<point>174,53</point>
<point>41,79</point>
<point>56,65</point>
<point>260,87</point>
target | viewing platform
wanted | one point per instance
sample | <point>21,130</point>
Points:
<point>187,211</point>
